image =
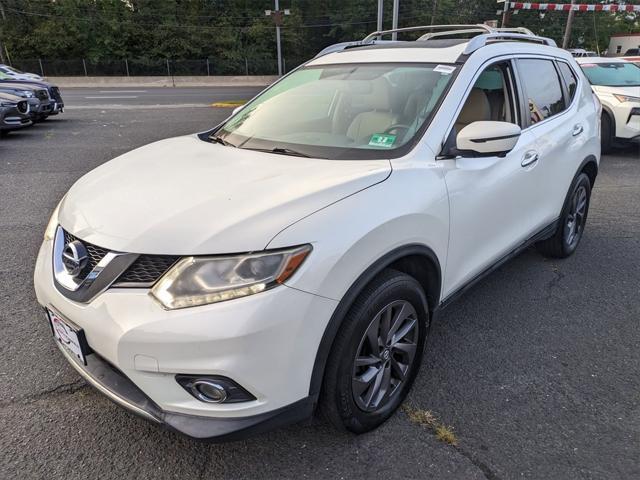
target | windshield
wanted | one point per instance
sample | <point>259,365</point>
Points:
<point>341,111</point>
<point>614,74</point>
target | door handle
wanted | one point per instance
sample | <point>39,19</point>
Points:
<point>577,130</point>
<point>530,158</point>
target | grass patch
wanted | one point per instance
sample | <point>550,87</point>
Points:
<point>427,419</point>
<point>445,434</point>
<point>229,104</point>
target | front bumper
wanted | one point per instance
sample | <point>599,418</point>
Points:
<point>118,388</point>
<point>12,119</point>
<point>266,342</point>
<point>56,108</point>
<point>40,108</point>
<point>628,121</point>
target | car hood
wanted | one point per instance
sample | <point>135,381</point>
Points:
<point>19,86</point>
<point>9,97</point>
<point>184,196</point>
<point>30,82</point>
<point>631,91</point>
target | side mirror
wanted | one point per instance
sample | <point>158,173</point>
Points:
<point>236,110</point>
<point>487,139</point>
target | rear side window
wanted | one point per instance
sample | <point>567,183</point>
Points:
<point>569,79</point>
<point>542,87</point>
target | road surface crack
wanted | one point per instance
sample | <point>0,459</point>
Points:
<point>483,467</point>
<point>65,388</point>
<point>558,276</point>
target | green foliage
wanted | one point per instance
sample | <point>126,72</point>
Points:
<point>235,33</point>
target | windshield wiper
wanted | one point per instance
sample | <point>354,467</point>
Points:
<point>287,151</point>
<point>220,140</point>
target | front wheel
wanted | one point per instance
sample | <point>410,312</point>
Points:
<point>376,354</point>
<point>606,133</point>
<point>572,221</point>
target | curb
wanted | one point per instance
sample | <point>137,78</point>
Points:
<point>180,81</point>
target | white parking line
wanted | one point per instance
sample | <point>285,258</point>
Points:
<point>123,91</point>
<point>114,97</point>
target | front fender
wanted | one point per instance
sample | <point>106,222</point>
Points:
<point>410,208</point>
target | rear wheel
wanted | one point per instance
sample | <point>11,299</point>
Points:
<point>376,354</point>
<point>572,221</point>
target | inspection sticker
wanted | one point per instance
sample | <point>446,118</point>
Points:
<point>445,69</point>
<point>382,140</point>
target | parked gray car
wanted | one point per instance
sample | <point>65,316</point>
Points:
<point>40,103</point>
<point>14,113</point>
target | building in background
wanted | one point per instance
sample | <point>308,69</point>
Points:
<point>620,43</point>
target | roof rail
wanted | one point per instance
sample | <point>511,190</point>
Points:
<point>481,40</point>
<point>338,47</point>
<point>456,29</point>
<point>432,35</point>
<point>484,35</point>
<point>523,30</point>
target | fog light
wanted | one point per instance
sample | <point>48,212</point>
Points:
<point>214,388</point>
<point>208,391</point>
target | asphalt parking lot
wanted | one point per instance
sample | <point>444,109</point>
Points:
<point>536,369</point>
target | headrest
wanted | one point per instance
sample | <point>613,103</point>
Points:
<point>476,108</point>
<point>380,96</point>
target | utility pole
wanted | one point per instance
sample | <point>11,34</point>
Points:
<point>434,11</point>
<point>505,13</point>
<point>380,15</point>
<point>277,19</point>
<point>567,30</point>
<point>394,20</point>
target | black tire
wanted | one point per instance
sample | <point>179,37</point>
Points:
<point>562,244</point>
<point>338,400</point>
<point>606,133</point>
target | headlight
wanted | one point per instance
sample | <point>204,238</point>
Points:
<point>7,104</point>
<point>27,94</point>
<point>201,280</point>
<point>626,98</point>
<point>50,232</point>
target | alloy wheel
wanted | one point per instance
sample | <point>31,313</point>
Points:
<point>576,217</point>
<point>385,355</point>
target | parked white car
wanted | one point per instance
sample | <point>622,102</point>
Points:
<point>15,74</point>
<point>581,52</point>
<point>229,282</point>
<point>616,82</point>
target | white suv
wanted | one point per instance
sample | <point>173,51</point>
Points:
<point>616,82</point>
<point>229,282</point>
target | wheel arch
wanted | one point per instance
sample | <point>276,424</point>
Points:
<point>416,260</point>
<point>589,166</point>
<point>606,110</point>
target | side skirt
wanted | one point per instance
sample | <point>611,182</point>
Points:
<point>545,233</point>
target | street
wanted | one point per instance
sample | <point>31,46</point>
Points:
<point>153,96</point>
<point>536,369</point>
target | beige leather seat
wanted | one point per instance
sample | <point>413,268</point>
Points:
<point>378,119</point>
<point>475,109</point>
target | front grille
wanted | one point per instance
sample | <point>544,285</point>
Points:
<point>55,94</point>
<point>42,95</point>
<point>23,106</point>
<point>95,253</point>
<point>147,269</point>
<point>144,271</point>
